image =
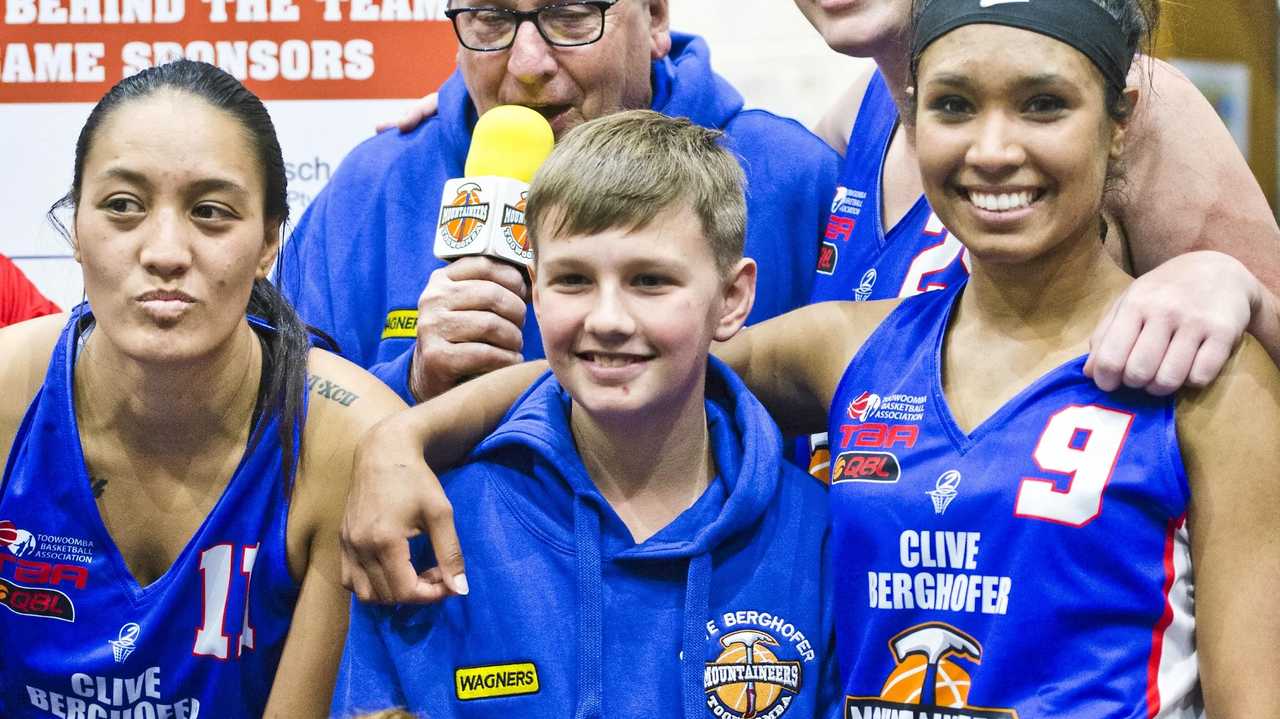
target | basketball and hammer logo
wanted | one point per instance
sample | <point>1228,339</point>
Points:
<point>514,230</point>
<point>927,679</point>
<point>462,220</point>
<point>759,668</point>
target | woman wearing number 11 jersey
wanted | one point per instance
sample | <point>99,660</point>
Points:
<point>171,495</point>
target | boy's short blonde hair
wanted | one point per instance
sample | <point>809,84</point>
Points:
<point>624,169</point>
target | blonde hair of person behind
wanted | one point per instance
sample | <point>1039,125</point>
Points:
<point>622,170</point>
<point>389,714</point>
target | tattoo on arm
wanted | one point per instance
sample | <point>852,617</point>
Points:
<point>331,391</point>
<point>98,486</point>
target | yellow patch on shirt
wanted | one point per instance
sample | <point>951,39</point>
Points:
<point>400,324</point>
<point>496,680</point>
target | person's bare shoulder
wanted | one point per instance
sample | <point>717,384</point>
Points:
<point>1235,417</point>
<point>1186,186</point>
<point>344,401</point>
<point>25,349</point>
<point>837,124</point>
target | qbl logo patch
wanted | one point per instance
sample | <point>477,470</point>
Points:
<point>828,256</point>
<point>880,467</point>
<point>34,602</point>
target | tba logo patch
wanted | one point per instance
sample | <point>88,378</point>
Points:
<point>922,652</point>
<point>495,680</point>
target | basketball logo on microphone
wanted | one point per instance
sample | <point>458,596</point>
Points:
<point>514,229</point>
<point>462,220</point>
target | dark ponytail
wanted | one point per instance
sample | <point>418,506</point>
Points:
<point>284,383</point>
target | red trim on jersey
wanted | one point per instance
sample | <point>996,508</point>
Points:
<point>1166,618</point>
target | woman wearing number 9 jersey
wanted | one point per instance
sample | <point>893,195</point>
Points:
<point>1011,540</point>
<point>176,456</point>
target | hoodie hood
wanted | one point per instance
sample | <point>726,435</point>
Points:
<point>747,448</point>
<point>745,443</point>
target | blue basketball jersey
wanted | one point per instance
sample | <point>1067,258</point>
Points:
<point>1036,566</point>
<point>859,260</point>
<point>81,637</point>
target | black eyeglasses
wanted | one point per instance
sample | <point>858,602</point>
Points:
<point>487,29</point>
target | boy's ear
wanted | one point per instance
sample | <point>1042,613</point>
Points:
<point>739,297</point>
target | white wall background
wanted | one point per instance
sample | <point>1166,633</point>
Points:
<point>764,47</point>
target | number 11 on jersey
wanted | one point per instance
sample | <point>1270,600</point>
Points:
<point>1082,442</point>
<point>215,581</point>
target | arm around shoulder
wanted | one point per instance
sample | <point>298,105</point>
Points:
<point>1229,434</point>
<point>1186,186</point>
<point>794,362</point>
<point>343,402</point>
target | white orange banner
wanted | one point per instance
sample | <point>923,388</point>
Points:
<point>73,50</point>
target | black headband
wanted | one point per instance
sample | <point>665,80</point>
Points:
<point>1082,24</point>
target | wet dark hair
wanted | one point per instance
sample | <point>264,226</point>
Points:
<point>284,383</point>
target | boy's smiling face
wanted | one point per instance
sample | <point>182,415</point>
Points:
<point>628,315</point>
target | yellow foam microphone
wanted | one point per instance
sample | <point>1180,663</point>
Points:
<point>482,213</point>
<point>509,141</point>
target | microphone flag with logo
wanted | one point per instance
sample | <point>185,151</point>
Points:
<point>482,213</point>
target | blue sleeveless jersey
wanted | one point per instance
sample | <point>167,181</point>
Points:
<point>81,637</point>
<point>1037,566</point>
<point>859,260</point>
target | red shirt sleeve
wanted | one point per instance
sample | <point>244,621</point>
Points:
<point>19,299</point>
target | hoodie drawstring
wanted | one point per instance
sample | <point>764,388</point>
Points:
<point>586,528</point>
<point>696,600</point>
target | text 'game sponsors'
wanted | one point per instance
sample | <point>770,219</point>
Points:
<point>74,50</point>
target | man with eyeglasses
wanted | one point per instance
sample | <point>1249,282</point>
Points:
<point>359,265</point>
